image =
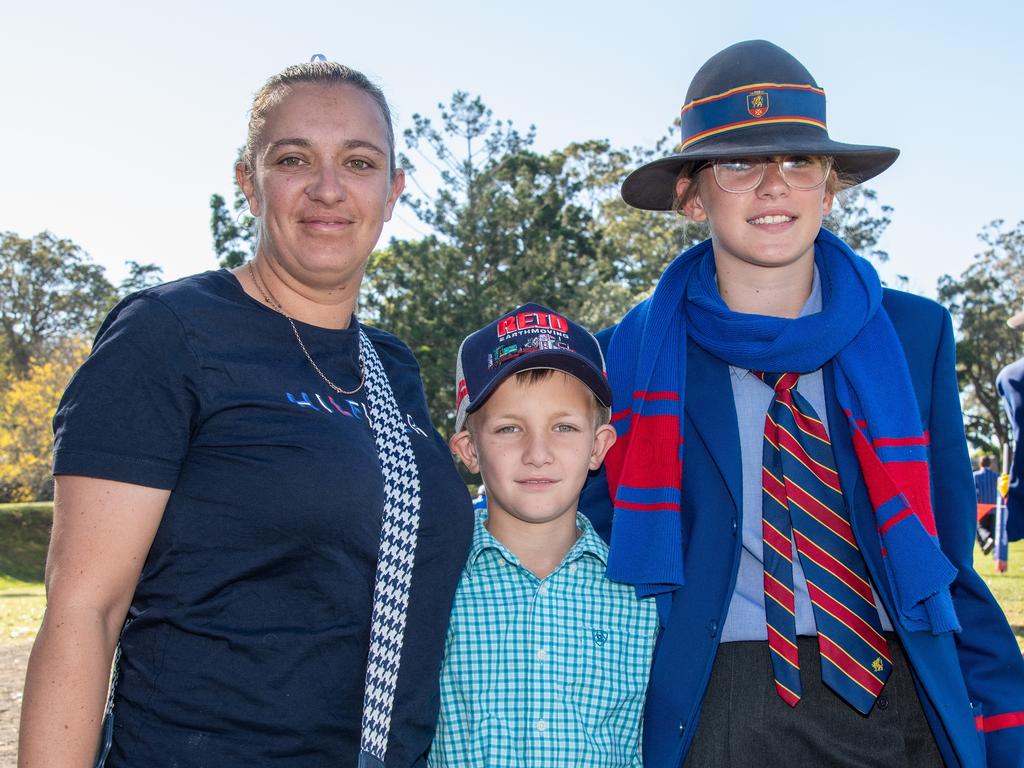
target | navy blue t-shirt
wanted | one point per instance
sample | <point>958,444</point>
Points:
<point>251,620</point>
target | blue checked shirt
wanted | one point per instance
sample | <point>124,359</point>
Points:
<point>540,673</point>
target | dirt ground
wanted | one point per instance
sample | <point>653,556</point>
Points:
<point>13,660</point>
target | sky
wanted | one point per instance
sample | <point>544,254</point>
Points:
<point>119,120</point>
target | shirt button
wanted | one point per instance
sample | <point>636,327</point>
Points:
<point>542,655</point>
<point>883,702</point>
<point>572,567</point>
<point>542,725</point>
<point>542,590</point>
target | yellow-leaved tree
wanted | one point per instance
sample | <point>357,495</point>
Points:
<point>27,405</point>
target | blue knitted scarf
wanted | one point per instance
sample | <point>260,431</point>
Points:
<point>647,368</point>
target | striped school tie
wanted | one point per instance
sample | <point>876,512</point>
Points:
<point>803,503</point>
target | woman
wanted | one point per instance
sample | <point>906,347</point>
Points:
<point>229,461</point>
<point>791,478</point>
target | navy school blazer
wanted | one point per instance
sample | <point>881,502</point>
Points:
<point>1010,384</point>
<point>971,684</point>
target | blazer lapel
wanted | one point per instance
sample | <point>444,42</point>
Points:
<point>710,408</point>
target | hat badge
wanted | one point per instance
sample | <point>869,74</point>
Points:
<point>757,103</point>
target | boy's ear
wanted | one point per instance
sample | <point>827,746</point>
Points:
<point>604,438</point>
<point>462,445</point>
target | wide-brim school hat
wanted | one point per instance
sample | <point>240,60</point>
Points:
<point>751,100</point>
<point>528,337</point>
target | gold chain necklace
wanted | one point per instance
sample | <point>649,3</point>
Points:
<point>274,304</point>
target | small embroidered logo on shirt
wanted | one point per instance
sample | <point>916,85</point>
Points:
<point>600,637</point>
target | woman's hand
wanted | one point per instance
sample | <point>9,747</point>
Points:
<point>102,532</point>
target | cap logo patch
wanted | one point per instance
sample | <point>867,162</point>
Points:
<point>512,350</point>
<point>757,103</point>
<point>523,320</point>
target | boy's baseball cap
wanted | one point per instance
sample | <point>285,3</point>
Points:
<point>529,336</point>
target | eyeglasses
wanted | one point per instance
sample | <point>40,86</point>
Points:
<point>745,174</point>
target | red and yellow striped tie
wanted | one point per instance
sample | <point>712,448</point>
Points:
<point>802,504</point>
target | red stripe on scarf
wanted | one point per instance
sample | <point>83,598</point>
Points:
<point>998,722</point>
<point>642,394</point>
<point>907,512</point>
<point>665,507</point>
<point>651,466</point>
<point>895,442</point>
<point>887,480</point>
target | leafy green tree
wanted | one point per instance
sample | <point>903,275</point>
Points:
<point>139,276</point>
<point>27,404</point>
<point>980,300</point>
<point>509,226</point>
<point>49,290</point>
<point>859,219</point>
<point>233,229</point>
<point>635,246</point>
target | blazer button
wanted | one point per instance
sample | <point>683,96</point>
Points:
<point>682,728</point>
<point>735,526</point>
<point>712,627</point>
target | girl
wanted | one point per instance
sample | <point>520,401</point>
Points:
<point>791,478</point>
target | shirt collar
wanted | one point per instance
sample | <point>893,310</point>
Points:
<point>811,307</point>
<point>588,543</point>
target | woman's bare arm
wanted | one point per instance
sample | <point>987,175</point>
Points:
<point>102,531</point>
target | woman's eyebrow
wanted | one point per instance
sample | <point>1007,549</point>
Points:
<point>364,144</point>
<point>289,142</point>
<point>306,144</point>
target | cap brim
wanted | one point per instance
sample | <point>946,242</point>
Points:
<point>572,363</point>
<point>652,186</point>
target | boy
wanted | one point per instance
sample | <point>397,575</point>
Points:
<point>820,506</point>
<point>546,660</point>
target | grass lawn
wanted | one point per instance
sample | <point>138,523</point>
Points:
<point>25,532</point>
<point>1008,587</point>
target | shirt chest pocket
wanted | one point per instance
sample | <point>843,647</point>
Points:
<point>605,675</point>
